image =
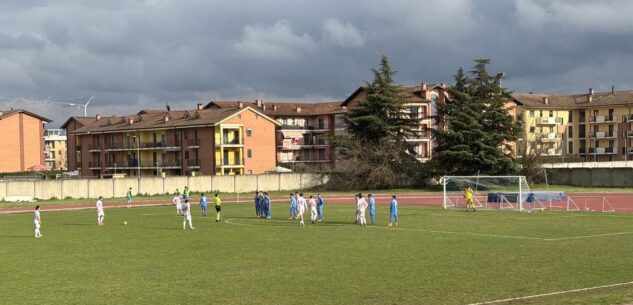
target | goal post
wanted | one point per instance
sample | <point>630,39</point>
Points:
<point>492,192</point>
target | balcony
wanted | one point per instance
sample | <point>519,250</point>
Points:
<point>193,163</point>
<point>628,118</point>
<point>231,164</point>
<point>141,146</point>
<point>602,135</point>
<point>601,119</point>
<point>193,143</point>
<point>550,137</point>
<point>628,133</point>
<point>94,165</point>
<point>552,152</point>
<point>601,150</point>
<point>233,142</point>
<point>549,121</point>
<point>582,150</point>
<point>133,164</point>
<point>94,148</point>
<point>298,160</point>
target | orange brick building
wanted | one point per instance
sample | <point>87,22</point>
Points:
<point>229,141</point>
<point>21,140</point>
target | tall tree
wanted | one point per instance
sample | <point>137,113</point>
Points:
<point>476,127</point>
<point>382,114</point>
<point>376,154</point>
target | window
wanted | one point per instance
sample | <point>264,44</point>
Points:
<point>321,123</point>
<point>570,131</point>
<point>551,113</point>
<point>532,129</point>
<point>249,153</point>
<point>249,132</point>
<point>186,155</point>
<point>531,113</point>
<point>570,117</point>
<point>570,147</point>
<point>322,154</point>
<point>540,113</point>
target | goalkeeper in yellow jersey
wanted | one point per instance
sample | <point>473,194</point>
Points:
<point>468,195</point>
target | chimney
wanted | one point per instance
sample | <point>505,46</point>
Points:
<point>274,107</point>
<point>299,109</point>
<point>199,107</point>
<point>240,105</point>
<point>131,120</point>
<point>590,96</point>
<point>98,117</point>
<point>612,89</point>
<point>264,107</point>
<point>166,118</point>
<point>344,107</point>
<point>259,103</point>
<point>546,100</point>
<point>423,85</point>
<point>443,85</point>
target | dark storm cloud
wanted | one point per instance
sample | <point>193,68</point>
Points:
<point>145,54</point>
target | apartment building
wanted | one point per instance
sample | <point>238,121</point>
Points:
<point>305,127</point>
<point>21,140</point>
<point>233,140</point>
<point>593,126</point>
<point>421,102</point>
<point>301,137</point>
<point>55,149</point>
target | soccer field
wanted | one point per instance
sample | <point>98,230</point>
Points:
<point>435,256</point>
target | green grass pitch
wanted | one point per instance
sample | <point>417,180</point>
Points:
<point>433,257</point>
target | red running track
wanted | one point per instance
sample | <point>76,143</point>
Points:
<point>621,202</point>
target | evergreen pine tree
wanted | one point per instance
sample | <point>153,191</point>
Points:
<point>475,127</point>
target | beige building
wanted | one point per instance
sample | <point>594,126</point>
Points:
<point>55,149</point>
<point>593,126</point>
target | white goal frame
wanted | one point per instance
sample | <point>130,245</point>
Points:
<point>521,180</point>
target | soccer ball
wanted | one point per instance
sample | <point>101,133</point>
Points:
<point>125,223</point>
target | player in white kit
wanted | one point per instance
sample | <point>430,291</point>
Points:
<point>302,206</point>
<point>362,205</point>
<point>37,221</point>
<point>186,215</point>
<point>176,201</point>
<point>100,213</point>
<point>313,209</point>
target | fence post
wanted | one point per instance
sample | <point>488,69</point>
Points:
<point>279,182</point>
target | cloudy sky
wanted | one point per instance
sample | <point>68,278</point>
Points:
<point>133,54</point>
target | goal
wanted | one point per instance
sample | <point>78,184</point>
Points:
<point>490,192</point>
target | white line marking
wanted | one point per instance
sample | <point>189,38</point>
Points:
<point>552,293</point>
<point>460,233</point>
<point>587,236</point>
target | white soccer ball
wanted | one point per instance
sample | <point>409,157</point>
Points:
<point>125,223</point>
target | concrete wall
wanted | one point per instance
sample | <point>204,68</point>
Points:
<point>74,188</point>
<point>201,184</point>
<point>48,189</point>
<point>108,188</point>
<point>21,188</point>
<point>224,183</point>
<point>3,190</point>
<point>591,177</point>
<point>247,183</point>
<point>175,183</point>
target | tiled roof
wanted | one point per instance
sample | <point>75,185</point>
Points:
<point>275,109</point>
<point>8,113</point>
<point>83,120</point>
<point>412,94</point>
<point>574,101</point>
<point>156,119</point>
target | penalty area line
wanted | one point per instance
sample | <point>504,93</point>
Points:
<point>459,233</point>
<point>552,294</point>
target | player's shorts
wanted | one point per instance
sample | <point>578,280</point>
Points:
<point>187,217</point>
<point>100,214</point>
<point>218,208</point>
<point>301,210</point>
<point>469,201</point>
<point>37,224</point>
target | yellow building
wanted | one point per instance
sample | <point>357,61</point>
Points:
<point>595,126</point>
<point>55,149</point>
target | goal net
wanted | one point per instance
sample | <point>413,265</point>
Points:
<point>490,192</point>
